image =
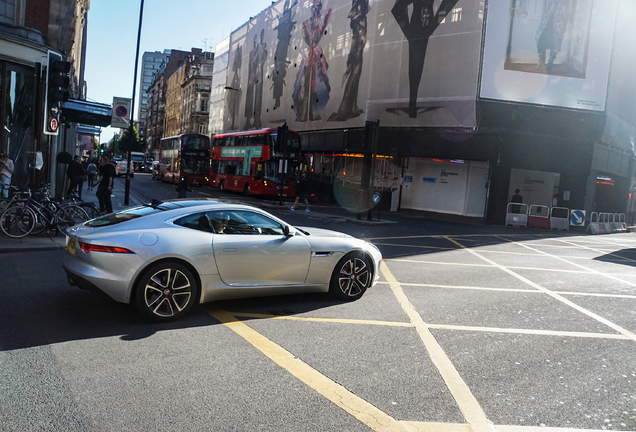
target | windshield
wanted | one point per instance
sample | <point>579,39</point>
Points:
<point>122,216</point>
<point>195,162</point>
<point>195,142</point>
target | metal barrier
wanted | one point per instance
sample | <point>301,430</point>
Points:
<point>517,215</point>
<point>560,219</point>
<point>539,217</point>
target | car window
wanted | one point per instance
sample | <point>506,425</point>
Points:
<point>197,221</point>
<point>241,222</point>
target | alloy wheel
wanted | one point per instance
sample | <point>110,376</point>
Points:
<point>167,292</point>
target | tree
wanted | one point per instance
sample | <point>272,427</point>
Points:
<point>128,141</point>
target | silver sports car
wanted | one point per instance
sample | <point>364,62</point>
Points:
<point>166,256</point>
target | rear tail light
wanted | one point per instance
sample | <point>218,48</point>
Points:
<point>86,247</point>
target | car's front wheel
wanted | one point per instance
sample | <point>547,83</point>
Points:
<point>351,277</point>
<point>166,291</point>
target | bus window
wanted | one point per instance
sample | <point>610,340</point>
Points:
<point>293,142</point>
<point>257,140</point>
<point>195,142</point>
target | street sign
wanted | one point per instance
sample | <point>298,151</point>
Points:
<point>577,218</point>
<point>121,112</point>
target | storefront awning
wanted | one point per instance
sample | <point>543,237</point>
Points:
<point>89,113</point>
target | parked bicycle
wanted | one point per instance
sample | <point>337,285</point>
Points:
<point>27,216</point>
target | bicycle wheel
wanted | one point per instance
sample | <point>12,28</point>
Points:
<point>90,209</point>
<point>40,223</point>
<point>17,221</point>
<point>70,215</point>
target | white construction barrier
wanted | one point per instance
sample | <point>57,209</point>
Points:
<point>517,215</point>
<point>607,223</point>
<point>560,218</point>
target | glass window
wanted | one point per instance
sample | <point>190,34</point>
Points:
<point>148,80</point>
<point>159,59</point>
<point>16,130</point>
<point>148,73</point>
<point>238,222</point>
<point>148,66</point>
<point>196,221</point>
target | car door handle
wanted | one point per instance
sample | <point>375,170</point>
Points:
<point>229,249</point>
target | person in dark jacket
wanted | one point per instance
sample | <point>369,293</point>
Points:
<point>75,173</point>
<point>303,190</point>
<point>107,176</point>
<point>184,187</point>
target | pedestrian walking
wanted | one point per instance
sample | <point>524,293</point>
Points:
<point>302,189</point>
<point>107,176</point>
<point>184,187</point>
<point>91,170</point>
<point>75,173</point>
<point>6,171</point>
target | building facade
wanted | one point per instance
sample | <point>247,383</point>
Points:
<point>473,99</point>
<point>28,30</point>
<point>196,86</point>
<point>151,62</point>
<point>217,92</point>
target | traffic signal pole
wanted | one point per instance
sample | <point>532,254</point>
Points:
<point>131,128</point>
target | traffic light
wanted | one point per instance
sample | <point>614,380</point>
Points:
<point>57,90</point>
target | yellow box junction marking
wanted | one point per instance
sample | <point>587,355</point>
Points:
<point>467,403</point>
<point>363,411</point>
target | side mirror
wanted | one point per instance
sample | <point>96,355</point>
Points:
<point>289,231</point>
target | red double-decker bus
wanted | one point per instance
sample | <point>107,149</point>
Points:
<point>185,155</point>
<point>251,162</point>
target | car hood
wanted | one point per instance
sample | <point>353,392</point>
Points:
<point>318,232</point>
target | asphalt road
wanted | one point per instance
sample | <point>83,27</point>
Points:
<point>471,328</point>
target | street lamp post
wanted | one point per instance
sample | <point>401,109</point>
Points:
<point>131,128</point>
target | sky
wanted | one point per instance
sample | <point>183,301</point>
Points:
<point>167,24</point>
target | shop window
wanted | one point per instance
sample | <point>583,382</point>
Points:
<point>16,130</point>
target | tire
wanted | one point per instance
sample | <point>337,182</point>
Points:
<point>246,190</point>
<point>70,215</point>
<point>222,185</point>
<point>351,277</point>
<point>166,291</point>
<point>17,221</point>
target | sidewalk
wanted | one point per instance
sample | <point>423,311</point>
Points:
<point>50,241</point>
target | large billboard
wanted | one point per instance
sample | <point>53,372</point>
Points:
<point>326,64</point>
<point>549,52</point>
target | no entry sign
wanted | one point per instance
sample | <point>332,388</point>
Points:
<point>121,112</point>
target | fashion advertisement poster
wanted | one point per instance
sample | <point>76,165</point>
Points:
<point>339,63</point>
<point>549,52</point>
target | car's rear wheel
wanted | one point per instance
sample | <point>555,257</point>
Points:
<point>351,277</point>
<point>166,291</point>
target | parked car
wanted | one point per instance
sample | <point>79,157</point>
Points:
<point>165,257</point>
